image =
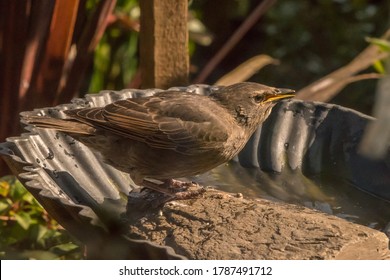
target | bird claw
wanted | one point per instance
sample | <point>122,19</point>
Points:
<point>175,189</point>
<point>179,186</point>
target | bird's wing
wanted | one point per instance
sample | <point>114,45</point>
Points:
<point>179,121</point>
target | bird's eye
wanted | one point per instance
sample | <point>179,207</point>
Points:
<point>258,98</point>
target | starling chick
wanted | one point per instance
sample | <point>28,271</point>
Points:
<point>171,134</point>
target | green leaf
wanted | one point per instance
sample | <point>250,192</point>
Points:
<point>28,197</point>
<point>4,187</point>
<point>379,67</point>
<point>16,234</point>
<point>5,205</point>
<point>38,255</point>
<point>17,191</point>
<point>64,249</point>
<point>384,45</point>
<point>23,219</point>
<point>38,233</point>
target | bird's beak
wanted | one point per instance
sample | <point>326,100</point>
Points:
<point>281,93</point>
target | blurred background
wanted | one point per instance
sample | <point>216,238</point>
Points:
<point>52,51</point>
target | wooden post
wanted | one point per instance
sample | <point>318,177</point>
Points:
<point>164,59</point>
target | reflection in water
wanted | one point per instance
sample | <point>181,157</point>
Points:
<point>330,195</point>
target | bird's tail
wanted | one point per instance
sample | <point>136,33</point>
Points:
<point>68,125</point>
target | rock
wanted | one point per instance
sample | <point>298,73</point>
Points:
<point>227,226</point>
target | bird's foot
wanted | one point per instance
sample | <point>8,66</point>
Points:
<point>179,186</point>
<point>175,189</point>
<point>182,190</point>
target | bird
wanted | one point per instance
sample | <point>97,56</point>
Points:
<point>171,134</point>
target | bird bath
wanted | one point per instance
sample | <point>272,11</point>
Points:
<point>305,153</point>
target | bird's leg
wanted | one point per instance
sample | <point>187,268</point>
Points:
<point>176,189</point>
<point>156,187</point>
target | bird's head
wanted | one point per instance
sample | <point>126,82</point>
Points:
<point>250,103</point>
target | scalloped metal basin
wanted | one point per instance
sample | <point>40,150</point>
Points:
<point>304,153</point>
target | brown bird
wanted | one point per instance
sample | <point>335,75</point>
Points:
<point>171,134</point>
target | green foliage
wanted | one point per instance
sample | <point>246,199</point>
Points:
<point>116,56</point>
<point>384,46</point>
<point>309,38</point>
<point>26,230</point>
<point>319,37</point>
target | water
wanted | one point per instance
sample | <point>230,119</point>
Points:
<point>328,194</point>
